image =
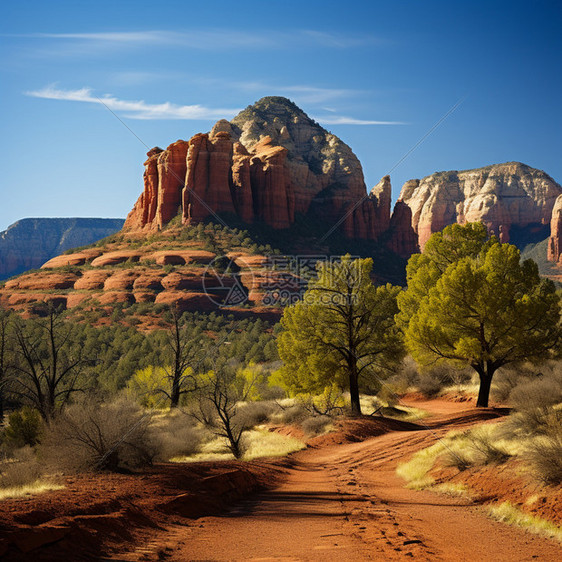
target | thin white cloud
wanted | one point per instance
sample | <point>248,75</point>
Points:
<point>134,109</point>
<point>142,110</point>
<point>216,39</point>
<point>342,120</point>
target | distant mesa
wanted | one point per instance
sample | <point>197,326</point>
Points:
<point>29,243</point>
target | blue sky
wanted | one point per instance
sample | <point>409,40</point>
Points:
<point>377,74</point>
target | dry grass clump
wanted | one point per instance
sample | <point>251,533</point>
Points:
<point>485,448</point>
<point>316,425</point>
<point>544,454</point>
<point>20,468</point>
<point>510,514</point>
<point>256,413</point>
<point>175,435</point>
<point>458,459</point>
<point>262,443</point>
<point>94,436</point>
<point>21,474</point>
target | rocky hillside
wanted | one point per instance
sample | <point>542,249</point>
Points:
<point>202,268</point>
<point>269,165</point>
<point>29,243</point>
<point>502,196</point>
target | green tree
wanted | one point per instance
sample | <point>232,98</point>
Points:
<point>343,332</point>
<point>472,302</point>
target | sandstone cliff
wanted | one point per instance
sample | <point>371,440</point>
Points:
<point>28,243</point>
<point>500,196</point>
<point>555,240</point>
<point>269,164</point>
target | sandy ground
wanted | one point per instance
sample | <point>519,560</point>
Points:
<point>344,502</point>
<point>339,499</point>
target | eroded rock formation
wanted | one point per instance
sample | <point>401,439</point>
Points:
<point>555,240</point>
<point>500,196</point>
<point>270,163</point>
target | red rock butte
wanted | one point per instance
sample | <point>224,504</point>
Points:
<point>270,164</point>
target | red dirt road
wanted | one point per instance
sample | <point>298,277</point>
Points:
<point>344,502</point>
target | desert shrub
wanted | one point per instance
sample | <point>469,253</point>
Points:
<point>544,454</point>
<point>429,386</point>
<point>541,391</point>
<point>458,459</point>
<point>408,371</point>
<point>255,413</point>
<point>20,469</point>
<point>536,402</point>
<point>94,436</point>
<point>331,402</point>
<point>24,428</point>
<point>433,380</point>
<point>484,448</point>
<point>507,378</point>
<point>316,425</point>
<point>293,413</point>
<point>536,421</point>
<point>176,437</point>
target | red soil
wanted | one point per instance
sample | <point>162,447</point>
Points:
<point>340,499</point>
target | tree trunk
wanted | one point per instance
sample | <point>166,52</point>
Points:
<point>484,392</point>
<point>175,395</point>
<point>354,390</point>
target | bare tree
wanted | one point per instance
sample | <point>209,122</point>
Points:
<point>217,407</point>
<point>183,351</point>
<point>46,365</point>
<point>5,321</point>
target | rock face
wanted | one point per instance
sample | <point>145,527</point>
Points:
<point>29,243</point>
<point>500,196</point>
<point>555,240</point>
<point>402,239</point>
<point>269,164</point>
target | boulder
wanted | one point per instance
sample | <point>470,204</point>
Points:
<point>116,257</point>
<point>78,258</point>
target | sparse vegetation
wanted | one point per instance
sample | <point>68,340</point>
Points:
<point>93,436</point>
<point>510,514</point>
